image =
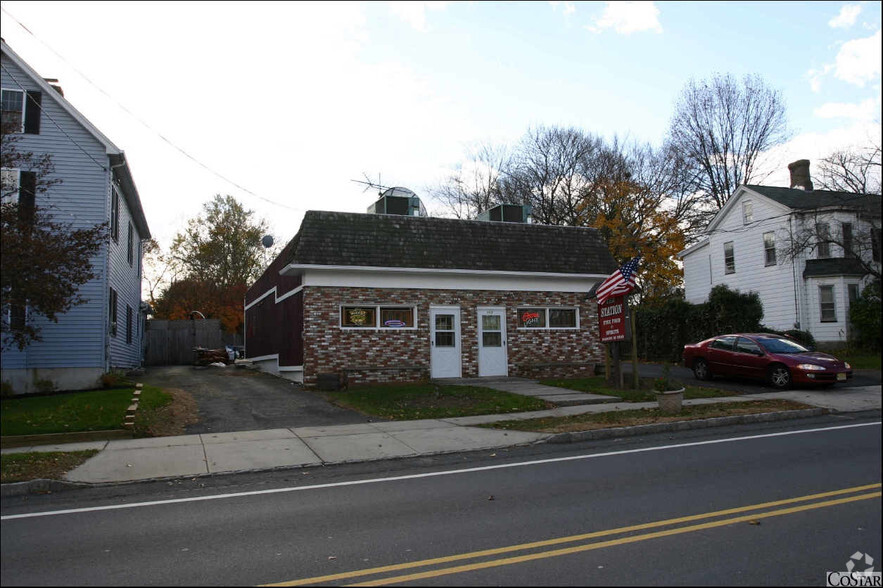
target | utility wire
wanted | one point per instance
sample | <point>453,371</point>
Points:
<point>145,124</point>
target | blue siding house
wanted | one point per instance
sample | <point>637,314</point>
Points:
<point>104,333</point>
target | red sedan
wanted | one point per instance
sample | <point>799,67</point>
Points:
<point>774,358</point>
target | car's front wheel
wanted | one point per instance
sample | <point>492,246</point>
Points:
<point>780,377</point>
<point>700,370</point>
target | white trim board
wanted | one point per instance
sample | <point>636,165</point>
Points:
<point>430,279</point>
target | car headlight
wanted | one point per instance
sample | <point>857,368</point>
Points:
<point>846,365</point>
<point>810,367</point>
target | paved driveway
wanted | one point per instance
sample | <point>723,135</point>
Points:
<point>239,399</point>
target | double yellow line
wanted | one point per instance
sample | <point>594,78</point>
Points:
<point>491,563</point>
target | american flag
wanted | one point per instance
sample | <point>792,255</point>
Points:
<point>622,281</point>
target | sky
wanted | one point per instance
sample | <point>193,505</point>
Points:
<point>284,104</point>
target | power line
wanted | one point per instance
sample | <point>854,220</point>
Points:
<point>145,124</point>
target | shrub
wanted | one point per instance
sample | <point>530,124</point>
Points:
<point>663,329</point>
<point>864,314</point>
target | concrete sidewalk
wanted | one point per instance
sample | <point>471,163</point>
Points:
<point>213,453</point>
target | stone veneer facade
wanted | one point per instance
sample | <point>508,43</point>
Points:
<point>403,355</point>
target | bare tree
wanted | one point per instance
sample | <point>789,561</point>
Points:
<point>554,170</point>
<point>476,185</point>
<point>720,128</point>
<point>851,170</point>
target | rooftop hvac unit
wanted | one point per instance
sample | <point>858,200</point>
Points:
<point>399,201</point>
<point>507,213</point>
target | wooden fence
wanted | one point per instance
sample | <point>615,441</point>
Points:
<point>172,342</point>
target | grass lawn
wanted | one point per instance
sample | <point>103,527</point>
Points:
<point>20,467</point>
<point>642,416</point>
<point>598,385</point>
<point>91,410</point>
<point>427,401</point>
<point>860,360</point>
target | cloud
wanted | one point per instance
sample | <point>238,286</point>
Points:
<point>414,13</point>
<point>858,61</point>
<point>846,18</point>
<point>568,7</point>
<point>866,110</point>
<point>627,17</point>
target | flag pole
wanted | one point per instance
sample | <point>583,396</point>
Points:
<point>632,320</point>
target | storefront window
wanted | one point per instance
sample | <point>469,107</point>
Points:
<point>357,316</point>
<point>547,318</point>
<point>366,317</point>
<point>532,318</point>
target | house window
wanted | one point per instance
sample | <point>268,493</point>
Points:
<point>21,187</point>
<point>851,293</point>
<point>9,184</point>
<point>378,317</point>
<point>823,249</point>
<point>747,212</point>
<point>13,110</point>
<point>18,317</point>
<point>769,248</point>
<point>729,258</point>
<point>875,244</point>
<point>128,325</point>
<point>827,310</point>
<point>130,251</point>
<point>846,242</point>
<point>20,111</point>
<point>112,312</point>
<point>547,318</point>
<point>115,215</point>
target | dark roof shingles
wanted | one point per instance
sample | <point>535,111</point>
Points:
<point>353,239</point>
<point>802,200</point>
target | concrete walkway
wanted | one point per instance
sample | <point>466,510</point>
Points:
<point>212,453</point>
<point>525,387</point>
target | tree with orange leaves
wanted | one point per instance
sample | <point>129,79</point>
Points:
<point>217,256</point>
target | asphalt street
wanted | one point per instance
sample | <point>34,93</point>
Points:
<point>771,504</point>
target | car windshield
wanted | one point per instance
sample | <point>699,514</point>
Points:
<point>781,346</point>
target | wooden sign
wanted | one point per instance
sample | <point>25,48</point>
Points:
<point>611,319</point>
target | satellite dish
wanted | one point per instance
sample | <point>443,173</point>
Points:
<point>267,241</point>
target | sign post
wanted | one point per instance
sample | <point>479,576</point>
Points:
<point>611,322</point>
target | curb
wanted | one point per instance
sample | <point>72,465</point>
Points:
<point>763,417</point>
<point>40,486</point>
<point>43,486</point>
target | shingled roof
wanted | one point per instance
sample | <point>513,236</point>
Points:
<point>803,200</point>
<point>378,240</point>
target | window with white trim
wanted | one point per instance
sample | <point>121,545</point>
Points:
<point>769,248</point>
<point>115,214</point>
<point>9,184</point>
<point>378,316</point>
<point>729,258</point>
<point>827,307</point>
<point>112,311</point>
<point>13,116</point>
<point>20,110</point>
<point>541,317</point>
<point>823,247</point>
<point>747,212</point>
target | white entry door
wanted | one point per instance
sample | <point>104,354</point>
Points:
<point>444,333</point>
<point>492,358</point>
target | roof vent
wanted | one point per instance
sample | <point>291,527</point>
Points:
<point>800,175</point>
<point>399,201</point>
<point>507,213</point>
